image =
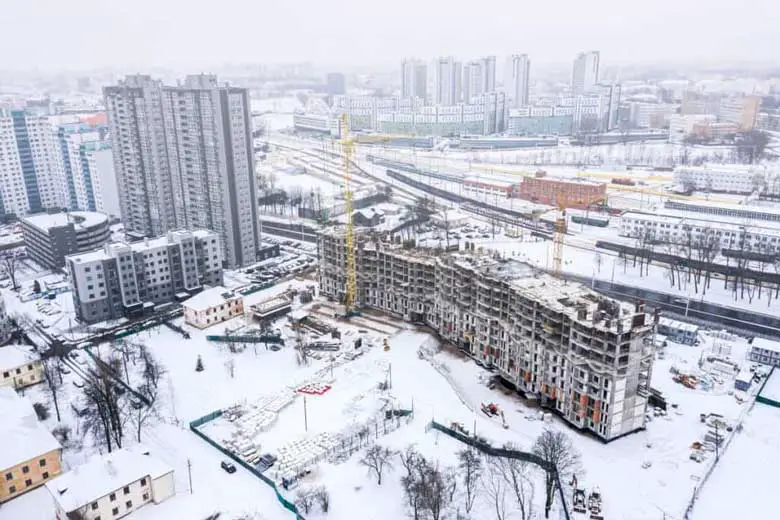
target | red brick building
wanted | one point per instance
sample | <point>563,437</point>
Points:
<point>573,193</point>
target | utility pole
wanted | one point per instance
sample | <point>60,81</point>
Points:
<point>189,472</point>
<point>305,416</point>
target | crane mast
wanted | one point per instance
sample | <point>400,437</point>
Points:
<point>351,269</point>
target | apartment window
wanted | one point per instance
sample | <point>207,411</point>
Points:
<point>112,497</point>
<point>143,481</point>
<point>115,511</point>
<point>126,490</point>
<point>42,462</point>
<point>25,469</point>
<point>12,489</point>
<point>94,505</point>
<point>96,518</point>
<point>129,504</point>
<point>28,482</point>
<point>9,476</point>
<point>146,496</point>
<point>45,474</point>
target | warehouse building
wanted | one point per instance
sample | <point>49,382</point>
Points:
<point>49,238</point>
<point>573,193</point>
<point>578,353</point>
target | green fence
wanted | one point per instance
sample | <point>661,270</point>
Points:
<point>210,417</point>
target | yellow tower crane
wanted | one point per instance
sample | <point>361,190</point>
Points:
<point>560,232</point>
<point>347,148</point>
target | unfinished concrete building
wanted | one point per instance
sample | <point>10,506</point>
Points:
<point>577,352</point>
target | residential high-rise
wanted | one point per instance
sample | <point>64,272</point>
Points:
<point>449,81</point>
<point>585,73</point>
<point>517,79</point>
<point>184,159</point>
<point>414,79</point>
<point>336,84</point>
<point>88,168</point>
<point>31,176</point>
<point>479,77</point>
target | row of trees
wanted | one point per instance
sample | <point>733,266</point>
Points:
<point>503,484</point>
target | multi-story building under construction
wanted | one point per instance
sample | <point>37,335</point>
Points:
<point>577,352</point>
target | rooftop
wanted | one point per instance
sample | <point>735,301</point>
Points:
<point>12,356</point>
<point>767,344</point>
<point>79,219</point>
<point>22,435</point>
<point>209,298</point>
<point>679,325</point>
<point>109,250</point>
<point>104,474</point>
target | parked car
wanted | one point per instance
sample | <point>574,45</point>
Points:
<point>228,466</point>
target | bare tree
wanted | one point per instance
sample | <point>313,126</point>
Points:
<point>556,449</point>
<point>376,460</point>
<point>304,500</point>
<point>495,488</point>
<point>471,465</point>
<point>322,497</point>
<point>105,414</point>
<point>516,474</point>
<point>9,263</point>
<point>150,389</point>
<point>230,366</point>
<point>53,378</point>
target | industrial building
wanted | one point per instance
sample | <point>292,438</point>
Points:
<point>727,179</point>
<point>50,238</point>
<point>724,209</point>
<point>578,353</point>
<point>132,279</point>
<point>573,193</point>
<point>765,351</point>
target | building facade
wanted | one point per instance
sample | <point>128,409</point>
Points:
<point>448,84</point>
<point>479,77</point>
<point>414,79</point>
<point>585,72</point>
<point>574,351</point>
<point>517,78</point>
<point>31,175</point>
<point>49,238</point>
<point>335,84</point>
<point>573,193</point>
<point>132,279</point>
<point>31,455</point>
<point>211,306</point>
<point>727,179</point>
<point>765,351</point>
<point>184,159</point>
<point>19,367</point>
<point>112,485</point>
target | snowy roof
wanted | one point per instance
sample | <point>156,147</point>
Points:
<point>111,250</point>
<point>21,434</point>
<point>771,388</point>
<point>725,205</point>
<point>679,325</point>
<point>12,356</point>
<point>766,344</point>
<point>79,219</point>
<point>104,474</point>
<point>209,298</point>
<point>368,212</point>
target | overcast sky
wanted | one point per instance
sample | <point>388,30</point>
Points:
<point>77,34</point>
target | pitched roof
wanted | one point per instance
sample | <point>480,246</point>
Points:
<point>104,474</point>
<point>22,435</point>
<point>209,298</point>
<point>12,356</point>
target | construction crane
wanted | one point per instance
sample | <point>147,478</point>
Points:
<point>348,147</point>
<point>560,232</point>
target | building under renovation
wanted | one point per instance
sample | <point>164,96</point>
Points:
<point>577,352</point>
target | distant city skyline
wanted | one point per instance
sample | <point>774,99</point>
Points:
<point>84,34</point>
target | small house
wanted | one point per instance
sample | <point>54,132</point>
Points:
<point>112,485</point>
<point>678,331</point>
<point>19,367</point>
<point>743,380</point>
<point>212,306</point>
<point>368,217</point>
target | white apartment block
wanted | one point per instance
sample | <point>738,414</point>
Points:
<point>479,77</point>
<point>448,86</point>
<point>585,72</point>
<point>131,279</point>
<point>517,79</point>
<point>112,486</point>
<point>184,159</point>
<point>31,175</point>
<point>88,168</point>
<point>700,233</point>
<point>576,352</point>
<point>728,179</point>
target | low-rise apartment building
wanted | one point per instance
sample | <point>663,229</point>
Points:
<point>19,367</point>
<point>112,486</point>
<point>132,279</point>
<point>577,352</point>
<point>30,455</point>
<point>212,306</point>
<point>573,193</point>
<point>765,351</point>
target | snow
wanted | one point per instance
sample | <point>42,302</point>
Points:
<point>771,389</point>
<point>32,505</point>
<point>80,220</point>
<point>739,487</point>
<point>13,356</point>
<point>21,434</point>
<point>103,474</point>
<point>209,298</point>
